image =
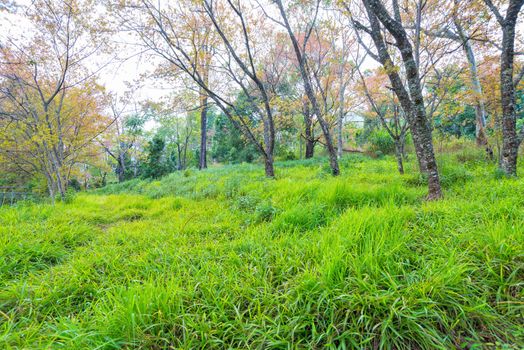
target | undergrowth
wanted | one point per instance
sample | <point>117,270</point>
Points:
<point>226,258</point>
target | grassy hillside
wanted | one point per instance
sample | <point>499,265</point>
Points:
<point>226,258</point>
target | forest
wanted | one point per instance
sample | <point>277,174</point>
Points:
<point>266,174</point>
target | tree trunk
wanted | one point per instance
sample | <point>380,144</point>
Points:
<point>309,136</point>
<point>202,164</point>
<point>399,154</point>
<point>510,139</point>
<point>510,143</point>
<point>179,153</point>
<point>480,110</point>
<point>300,146</point>
<point>340,126</point>
<point>268,166</point>
<point>421,132</point>
<point>60,183</point>
<point>333,160</point>
<point>184,163</point>
<point>422,166</point>
<point>340,122</point>
<point>480,132</point>
<point>120,173</point>
<point>50,186</point>
<point>121,167</point>
<point>310,148</point>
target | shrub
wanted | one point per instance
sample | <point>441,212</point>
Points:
<point>380,143</point>
<point>246,203</point>
<point>265,211</point>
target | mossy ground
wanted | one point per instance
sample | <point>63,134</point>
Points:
<point>226,258</point>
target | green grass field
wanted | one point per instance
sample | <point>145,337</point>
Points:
<point>226,258</point>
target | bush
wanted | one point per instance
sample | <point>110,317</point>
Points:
<point>246,203</point>
<point>265,211</point>
<point>380,143</point>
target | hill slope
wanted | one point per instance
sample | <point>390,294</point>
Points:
<point>226,258</point>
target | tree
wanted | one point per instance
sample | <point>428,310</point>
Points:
<point>50,142</point>
<point>51,104</point>
<point>388,111</point>
<point>121,141</point>
<point>230,146</point>
<point>309,79</point>
<point>411,96</point>
<point>178,131</point>
<point>463,25</point>
<point>155,165</point>
<point>508,82</point>
<point>204,41</point>
<point>164,33</point>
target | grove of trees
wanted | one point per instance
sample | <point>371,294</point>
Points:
<point>253,81</point>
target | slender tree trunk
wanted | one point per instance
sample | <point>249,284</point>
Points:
<point>400,144</point>
<point>202,164</point>
<point>480,130</point>
<point>340,121</point>
<point>480,110</point>
<point>340,126</point>
<point>121,167</point>
<point>184,164</point>
<point>399,155</point>
<point>300,146</point>
<point>269,145</point>
<point>333,160</point>
<point>308,131</point>
<point>60,182</point>
<point>50,186</point>
<point>120,172</point>
<point>422,136</point>
<point>179,152</point>
<point>422,165</point>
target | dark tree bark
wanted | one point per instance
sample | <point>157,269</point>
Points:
<point>412,102</point>
<point>309,135</point>
<point>202,164</point>
<point>310,144</point>
<point>268,166</point>
<point>510,137</point>
<point>399,153</point>
<point>120,169</point>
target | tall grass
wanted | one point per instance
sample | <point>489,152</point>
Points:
<point>226,258</point>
